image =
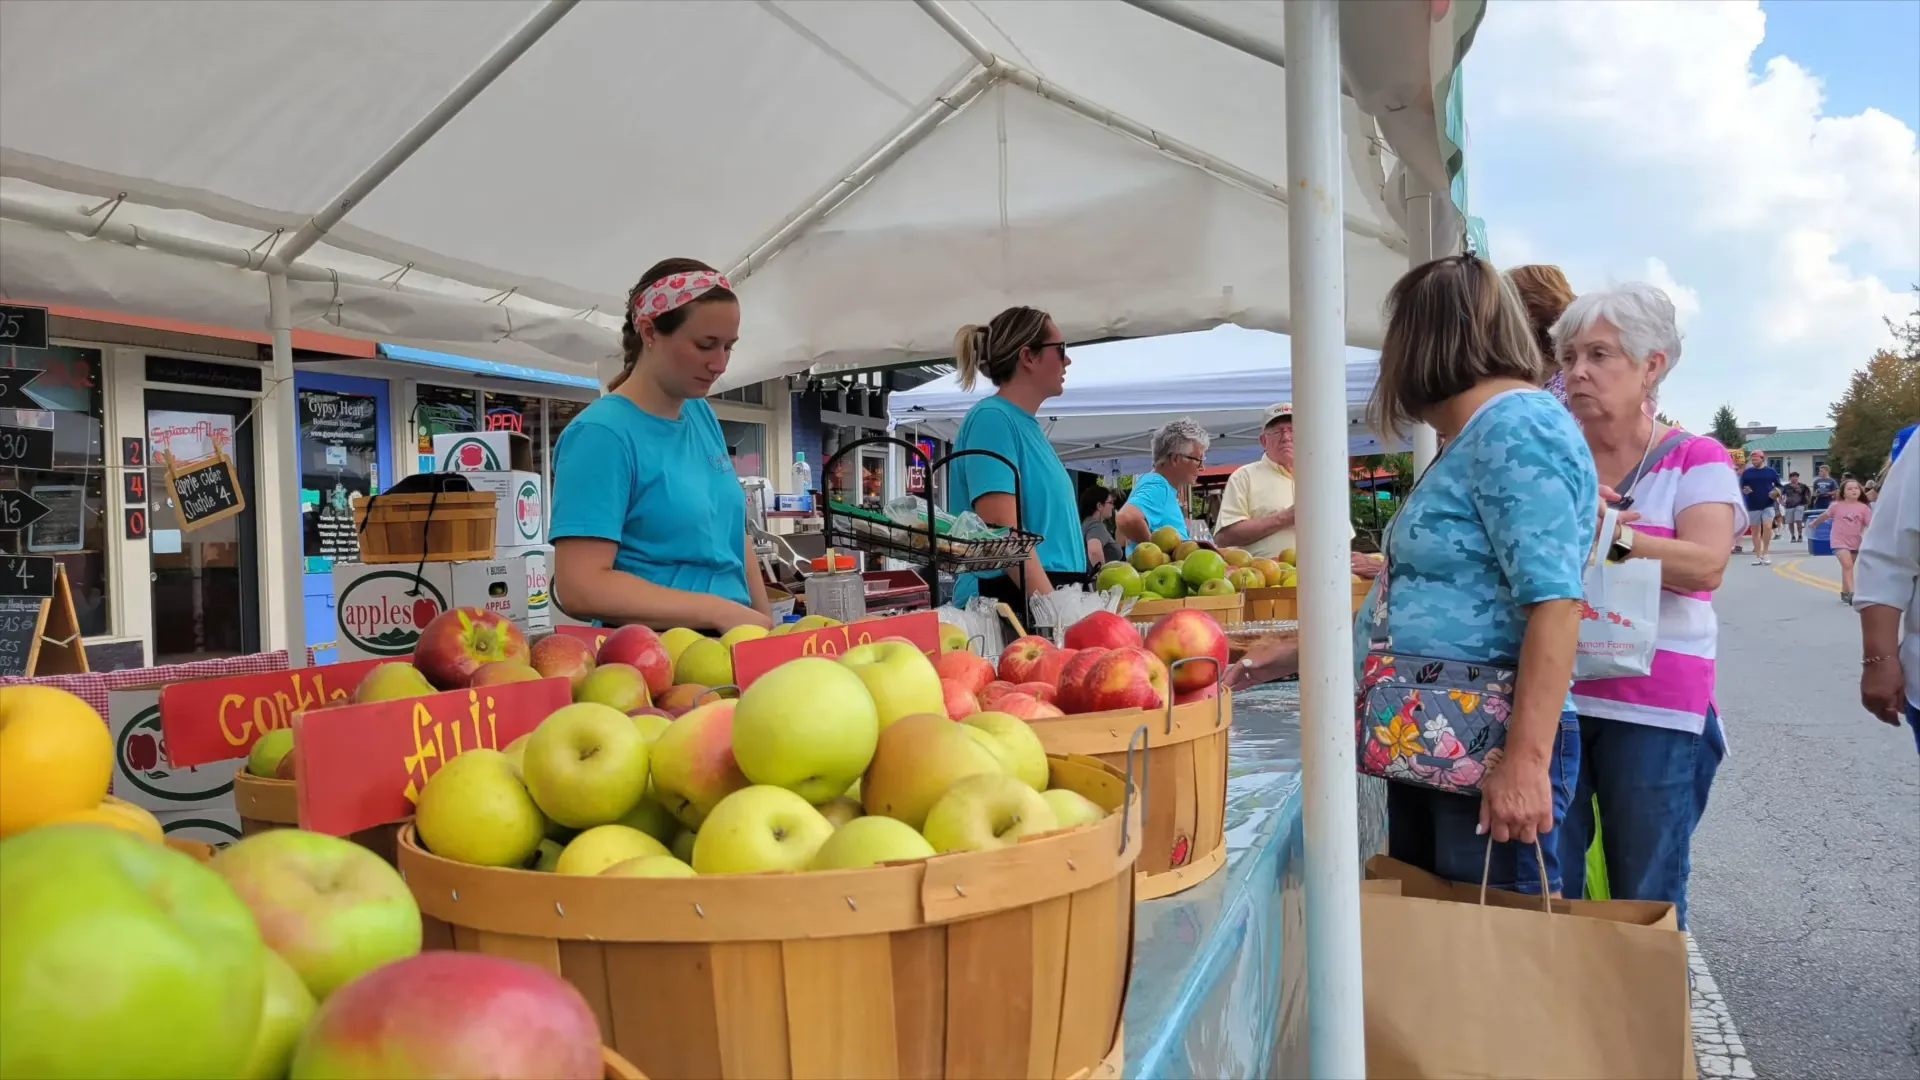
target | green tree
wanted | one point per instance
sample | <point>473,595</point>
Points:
<point>1880,399</point>
<point>1665,419</point>
<point>1726,428</point>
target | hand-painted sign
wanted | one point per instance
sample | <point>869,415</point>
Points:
<point>211,720</point>
<point>752,659</point>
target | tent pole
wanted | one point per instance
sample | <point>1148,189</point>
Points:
<point>961,34</point>
<point>1182,16</point>
<point>286,458</point>
<point>458,98</point>
<point>1317,291</point>
<point>1426,441</point>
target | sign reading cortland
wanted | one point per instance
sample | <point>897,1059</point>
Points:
<point>380,610</point>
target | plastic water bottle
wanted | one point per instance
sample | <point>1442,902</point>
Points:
<point>802,473</point>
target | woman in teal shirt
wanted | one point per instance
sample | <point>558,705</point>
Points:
<point>649,522</point>
<point>1021,352</point>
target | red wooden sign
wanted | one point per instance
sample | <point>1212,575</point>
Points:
<point>594,636</point>
<point>220,719</point>
<point>752,659</point>
<point>364,765</point>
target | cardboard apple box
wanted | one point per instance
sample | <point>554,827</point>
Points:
<point>483,451</point>
<point>380,609</point>
<point>141,773</point>
<point>522,519</point>
<point>209,825</point>
<point>539,562</point>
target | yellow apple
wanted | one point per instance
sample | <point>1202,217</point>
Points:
<point>840,810</point>
<point>985,812</point>
<point>743,632</point>
<point>953,638</point>
<point>917,760</point>
<point>1015,744</point>
<point>1290,557</point>
<point>900,678</point>
<point>605,845</point>
<point>870,841</point>
<point>677,639</point>
<point>476,810</point>
<point>1072,808</point>
<point>809,726</point>
<point>758,829</point>
<point>815,622</point>
<point>649,866</point>
<point>586,765</point>
<point>708,662</point>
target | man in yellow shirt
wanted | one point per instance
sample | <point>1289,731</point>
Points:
<point>1256,510</point>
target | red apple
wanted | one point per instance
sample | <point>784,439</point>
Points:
<point>971,670</point>
<point>458,642</point>
<point>640,647</point>
<point>1205,693</point>
<point>1040,691</point>
<point>1047,669</point>
<point>563,656</point>
<point>1018,659</point>
<point>446,1013</point>
<point>960,701</point>
<point>504,671</point>
<point>993,692</point>
<point>1190,634</point>
<point>1026,707</point>
<point>1127,679</point>
<point>1073,694</point>
<point>1105,630</point>
<point>680,697</point>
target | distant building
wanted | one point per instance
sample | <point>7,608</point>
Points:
<point>1801,450</point>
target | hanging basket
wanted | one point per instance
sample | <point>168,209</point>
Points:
<point>992,964</point>
<point>266,803</point>
<point>1185,779</point>
<point>453,526</point>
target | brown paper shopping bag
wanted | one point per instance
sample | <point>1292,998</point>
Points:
<point>1515,987</point>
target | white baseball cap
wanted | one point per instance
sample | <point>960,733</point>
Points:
<point>1282,411</point>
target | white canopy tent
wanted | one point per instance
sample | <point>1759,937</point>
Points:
<point>489,179</point>
<point>1120,392</point>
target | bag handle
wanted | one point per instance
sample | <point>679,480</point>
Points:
<point>1609,521</point>
<point>1486,870</point>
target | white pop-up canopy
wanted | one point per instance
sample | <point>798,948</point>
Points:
<point>1120,392</point>
<point>490,179</point>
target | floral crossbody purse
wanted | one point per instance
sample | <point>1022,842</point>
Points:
<point>1424,720</point>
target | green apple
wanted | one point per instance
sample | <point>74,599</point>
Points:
<point>953,638</point>
<point>1122,575</point>
<point>586,765</point>
<point>981,813</point>
<point>603,846</point>
<point>394,681</point>
<point>840,810</point>
<point>870,841</point>
<point>758,829</point>
<point>809,726</point>
<point>706,662</point>
<point>331,908</point>
<point>120,957</point>
<point>1243,578</point>
<point>899,677</point>
<point>549,857</point>
<point>265,756</point>
<point>743,632</point>
<point>1214,587</point>
<point>649,866</point>
<point>1071,808</point>
<point>683,845</point>
<point>651,725</point>
<point>1203,566</point>
<point>285,1011</point>
<point>475,810</point>
<point>1167,537</point>
<point>815,622</point>
<point>1016,745</point>
<point>677,639</point>
<point>917,760</point>
<point>693,765</point>
<point>1147,556</point>
<point>516,752</point>
<point>1163,583</point>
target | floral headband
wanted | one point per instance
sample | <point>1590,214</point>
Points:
<point>676,290</point>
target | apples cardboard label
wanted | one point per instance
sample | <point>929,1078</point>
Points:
<point>752,659</point>
<point>382,613</point>
<point>142,773</point>
<point>364,765</point>
<point>212,720</point>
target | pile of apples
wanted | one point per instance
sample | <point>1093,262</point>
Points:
<point>821,764</point>
<point>289,954</point>
<point>1105,665</point>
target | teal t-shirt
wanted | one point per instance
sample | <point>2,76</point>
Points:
<point>1155,497</point>
<point>1047,502</point>
<point>664,490</point>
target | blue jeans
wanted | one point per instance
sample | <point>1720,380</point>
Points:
<point>1652,784</point>
<point>1434,830</point>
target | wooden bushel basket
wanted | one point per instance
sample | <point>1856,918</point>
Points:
<point>399,530</point>
<point>990,964</point>
<point>1283,604</point>
<point>265,803</point>
<point>1226,610</point>
<point>1184,777</point>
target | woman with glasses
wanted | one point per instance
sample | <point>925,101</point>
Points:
<point>1021,353</point>
<point>1157,501</point>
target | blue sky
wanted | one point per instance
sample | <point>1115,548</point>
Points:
<point>1756,160</point>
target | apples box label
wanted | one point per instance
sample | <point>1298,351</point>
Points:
<point>143,773</point>
<point>209,825</point>
<point>752,659</point>
<point>483,451</point>
<point>364,765</point>
<point>379,611</point>
<point>211,720</point>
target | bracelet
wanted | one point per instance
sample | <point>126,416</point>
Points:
<point>1881,659</point>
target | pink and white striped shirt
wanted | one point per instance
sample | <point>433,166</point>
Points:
<point>1679,691</point>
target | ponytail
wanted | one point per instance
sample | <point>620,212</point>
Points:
<point>970,352</point>
<point>994,350</point>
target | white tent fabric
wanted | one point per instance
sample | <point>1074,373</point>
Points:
<point>1120,392</point>
<point>871,177</point>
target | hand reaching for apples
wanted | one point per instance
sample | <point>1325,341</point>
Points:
<point>1277,659</point>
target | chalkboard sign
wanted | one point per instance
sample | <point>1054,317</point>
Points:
<point>39,635</point>
<point>23,327</point>
<point>205,491</point>
<point>20,622</point>
<point>26,575</point>
<point>64,526</point>
<point>26,448</point>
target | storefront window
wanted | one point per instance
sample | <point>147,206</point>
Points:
<point>747,445</point>
<point>522,416</point>
<point>65,399</point>
<point>442,410</point>
<point>339,458</point>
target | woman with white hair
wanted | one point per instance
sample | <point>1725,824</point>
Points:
<point>1649,745</point>
<point>1179,453</point>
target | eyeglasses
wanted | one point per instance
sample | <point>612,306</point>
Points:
<point>1190,457</point>
<point>1045,345</point>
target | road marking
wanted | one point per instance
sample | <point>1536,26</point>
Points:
<point>1717,1048</point>
<point>1792,572</point>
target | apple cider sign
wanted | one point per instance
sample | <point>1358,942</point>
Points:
<point>220,719</point>
<point>364,765</point>
<point>752,659</point>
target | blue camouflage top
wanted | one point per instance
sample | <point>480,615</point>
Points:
<point>1503,520</point>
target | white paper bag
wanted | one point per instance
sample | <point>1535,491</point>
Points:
<point>1621,617</point>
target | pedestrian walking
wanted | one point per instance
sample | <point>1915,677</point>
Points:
<point>1794,497</point>
<point>1889,589</point>
<point>1825,487</point>
<point>1850,517</point>
<point>1758,484</point>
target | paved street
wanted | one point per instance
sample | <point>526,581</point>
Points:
<point>1805,902</point>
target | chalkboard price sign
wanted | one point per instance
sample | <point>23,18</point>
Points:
<point>26,448</point>
<point>26,575</point>
<point>20,619</point>
<point>39,634</point>
<point>205,491</point>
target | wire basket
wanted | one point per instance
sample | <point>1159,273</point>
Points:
<point>865,531</point>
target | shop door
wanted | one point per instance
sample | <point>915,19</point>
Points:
<point>343,450</point>
<point>206,581</point>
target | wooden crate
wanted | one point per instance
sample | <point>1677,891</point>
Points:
<point>1226,610</point>
<point>619,1068</point>
<point>1283,604</point>
<point>990,964</point>
<point>461,527</point>
<point>265,803</point>
<point>1185,779</point>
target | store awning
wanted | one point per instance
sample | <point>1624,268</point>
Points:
<point>485,367</point>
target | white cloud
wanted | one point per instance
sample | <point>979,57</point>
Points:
<point>1633,139</point>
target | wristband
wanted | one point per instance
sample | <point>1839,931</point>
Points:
<point>1882,658</point>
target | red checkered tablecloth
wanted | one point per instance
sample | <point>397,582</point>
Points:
<point>94,687</point>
